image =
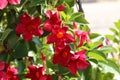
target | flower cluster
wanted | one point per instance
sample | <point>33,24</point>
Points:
<point>50,27</point>
<point>61,39</point>
<point>59,36</point>
<point>7,72</point>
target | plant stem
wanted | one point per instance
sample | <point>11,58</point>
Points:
<point>80,9</point>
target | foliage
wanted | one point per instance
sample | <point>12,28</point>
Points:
<point>47,40</point>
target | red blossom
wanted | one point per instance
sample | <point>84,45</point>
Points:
<point>3,3</point>
<point>60,37</point>
<point>7,73</point>
<point>53,21</point>
<point>83,37</point>
<point>61,7</point>
<point>29,27</point>
<point>2,75</point>
<point>78,61</point>
<point>37,73</point>
<point>62,57</point>
<point>11,74</point>
<point>2,65</point>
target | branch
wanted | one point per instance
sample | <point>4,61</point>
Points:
<point>80,9</point>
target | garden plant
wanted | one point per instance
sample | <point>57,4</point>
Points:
<point>49,40</point>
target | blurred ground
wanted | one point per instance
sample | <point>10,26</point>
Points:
<point>102,15</point>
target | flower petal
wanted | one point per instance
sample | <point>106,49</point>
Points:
<point>2,65</point>
<point>69,38</point>
<point>3,4</point>
<point>20,28</point>
<point>2,75</point>
<point>51,38</point>
<point>36,22</point>
<point>47,26</point>
<point>38,32</point>
<point>48,14</point>
<point>81,54</point>
<point>27,36</point>
<point>25,18</point>
<point>72,68</point>
<point>61,7</point>
<point>82,64</point>
<point>14,2</point>
<point>55,58</point>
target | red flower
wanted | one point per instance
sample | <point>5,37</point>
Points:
<point>37,73</point>
<point>11,74</point>
<point>59,37</point>
<point>61,7</point>
<point>53,21</point>
<point>83,37</point>
<point>2,65</point>
<point>3,3</point>
<point>7,73</point>
<point>62,57</point>
<point>29,27</point>
<point>77,61</point>
<point>2,73</point>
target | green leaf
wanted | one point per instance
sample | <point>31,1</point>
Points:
<point>97,43</point>
<point>107,49</point>
<point>63,15</point>
<point>95,54</point>
<point>93,60</point>
<point>70,2</point>
<point>5,35</point>
<point>108,76</point>
<point>94,35</point>
<point>11,18</point>
<point>114,30</point>
<point>20,50</point>
<point>110,37</point>
<point>75,15</point>
<point>20,66</point>
<point>36,2</point>
<point>84,28</point>
<point>3,56</point>
<point>69,10</point>
<point>110,66</point>
<point>32,46</point>
<point>62,70</point>
<point>12,40</point>
<point>113,38</point>
<point>117,24</point>
<point>81,19</point>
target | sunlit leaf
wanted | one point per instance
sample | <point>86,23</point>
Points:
<point>117,24</point>
<point>107,49</point>
<point>95,54</point>
<point>94,35</point>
